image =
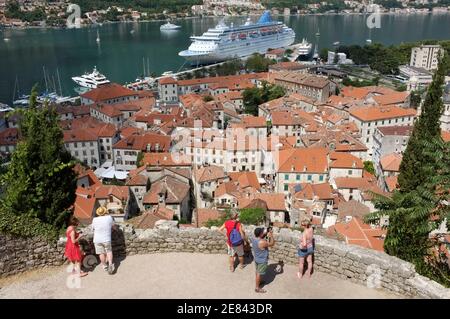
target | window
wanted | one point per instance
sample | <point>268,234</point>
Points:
<point>321,178</point>
<point>91,143</point>
<point>350,172</point>
<point>286,187</point>
<point>286,177</point>
<point>297,177</point>
<point>92,152</point>
<point>309,178</point>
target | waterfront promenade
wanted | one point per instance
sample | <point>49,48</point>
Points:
<point>182,275</point>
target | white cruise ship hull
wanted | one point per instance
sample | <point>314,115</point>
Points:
<point>239,49</point>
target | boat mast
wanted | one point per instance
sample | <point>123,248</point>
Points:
<point>59,82</point>
<point>143,63</point>
<point>148,66</point>
<point>45,79</point>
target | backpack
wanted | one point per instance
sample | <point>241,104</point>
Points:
<point>235,236</point>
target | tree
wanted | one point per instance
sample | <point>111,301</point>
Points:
<point>368,167</point>
<point>252,216</point>
<point>40,182</point>
<point>415,99</point>
<point>258,63</point>
<point>421,203</point>
<point>323,54</point>
<point>139,159</point>
<point>252,98</point>
<point>426,128</point>
<point>208,98</point>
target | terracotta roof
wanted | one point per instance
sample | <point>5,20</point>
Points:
<point>209,173</point>
<point>71,136</point>
<point>352,208</point>
<point>173,190</point>
<point>164,159</point>
<point>279,51</point>
<point>120,192</point>
<point>254,121</point>
<point>202,215</point>
<point>391,162</point>
<point>374,113</point>
<point>306,160</point>
<point>148,219</point>
<point>141,142</point>
<point>362,92</point>
<point>287,66</point>
<point>84,208</point>
<point>274,201</point>
<point>91,125</point>
<point>345,160</point>
<point>308,191</point>
<point>9,136</point>
<point>392,98</point>
<point>302,79</point>
<point>137,180</point>
<point>245,179</point>
<point>167,80</point>
<point>108,92</point>
<point>396,130</point>
<point>229,188</point>
<point>358,233</point>
<point>391,183</point>
<point>352,182</point>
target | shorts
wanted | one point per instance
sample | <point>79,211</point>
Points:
<point>261,268</point>
<point>103,248</point>
<point>239,250</point>
<point>305,252</point>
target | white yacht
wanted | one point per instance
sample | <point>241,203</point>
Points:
<point>169,26</point>
<point>227,42</point>
<point>91,80</point>
<point>304,48</point>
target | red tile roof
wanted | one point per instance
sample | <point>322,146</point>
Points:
<point>141,142</point>
<point>307,160</point>
<point>202,215</point>
<point>391,162</point>
<point>345,160</point>
<point>358,233</point>
<point>108,92</point>
<point>374,113</point>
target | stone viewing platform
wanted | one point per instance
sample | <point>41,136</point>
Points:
<point>184,276</point>
<point>341,270</point>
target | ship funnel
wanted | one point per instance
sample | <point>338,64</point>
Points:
<point>265,18</point>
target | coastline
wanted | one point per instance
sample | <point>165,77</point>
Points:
<point>3,27</point>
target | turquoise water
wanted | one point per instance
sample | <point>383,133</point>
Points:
<point>120,53</point>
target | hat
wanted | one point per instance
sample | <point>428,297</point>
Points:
<point>101,211</point>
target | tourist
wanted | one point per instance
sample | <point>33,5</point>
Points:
<point>73,251</point>
<point>235,240</point>
<point>306,249</point>
<point>260,247</point>
<point>102,226</point>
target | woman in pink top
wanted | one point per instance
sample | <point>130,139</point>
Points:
<point>306,249</point>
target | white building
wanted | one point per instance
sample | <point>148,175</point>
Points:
<point>425,56</point>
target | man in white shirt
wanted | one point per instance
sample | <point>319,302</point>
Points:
<point>102,226</point>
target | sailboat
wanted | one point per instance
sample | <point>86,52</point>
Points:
<point>98,37</point>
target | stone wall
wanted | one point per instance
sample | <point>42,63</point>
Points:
<point>354,263</point>
<point>19,254</point>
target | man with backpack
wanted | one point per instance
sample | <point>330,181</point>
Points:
<point>235,240</point>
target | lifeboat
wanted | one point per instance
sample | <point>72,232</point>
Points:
<point>242,36</point>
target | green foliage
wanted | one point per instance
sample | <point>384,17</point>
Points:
<point>253,97</point>
<point>368,167</point>
<point>359,83</point>
<point>252,216</point>
<point>323,54</point>
<point>418,207</point>
<point>139,159</point>
<point>208,98</point>
<point>150,6</point>
<point>427,127</point>
<point>258,63</point>
<point>13,11</point>
<point>386,59</point>
<point>39,182</point>
<point>415,99</point>
<point>219,222</point>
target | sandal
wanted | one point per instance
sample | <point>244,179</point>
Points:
<point>299,276</point>
<point>83,274</point>
<point>260,290</point>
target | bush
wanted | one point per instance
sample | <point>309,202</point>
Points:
<point>252,216</point>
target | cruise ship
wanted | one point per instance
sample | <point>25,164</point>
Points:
<point>226,42</point>
<point>92,80</point>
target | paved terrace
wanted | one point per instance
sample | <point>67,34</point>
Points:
<point>181,275</point>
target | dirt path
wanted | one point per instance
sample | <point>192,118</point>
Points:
<point>181,275</point>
